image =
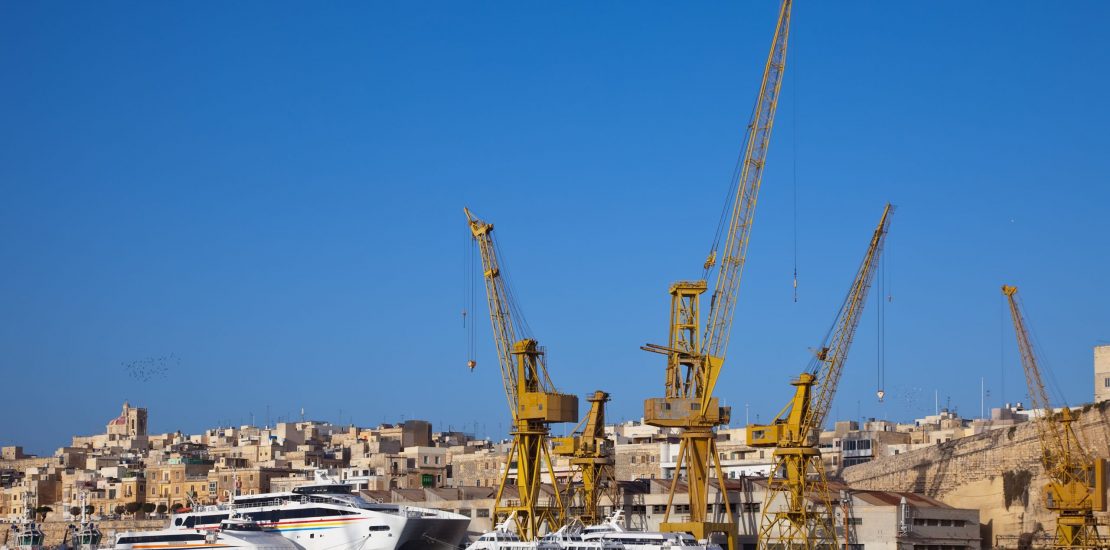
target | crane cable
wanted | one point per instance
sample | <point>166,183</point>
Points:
<point>470,283</point>
<point>880,345</point>
<point>794,139</point>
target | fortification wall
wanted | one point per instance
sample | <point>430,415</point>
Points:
<point>998,472</point>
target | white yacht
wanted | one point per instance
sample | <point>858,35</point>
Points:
<point>613,530</point>
<point>327,516</point>
<point>233,532</point>
<point>568,537</point>
<point>501,539</point>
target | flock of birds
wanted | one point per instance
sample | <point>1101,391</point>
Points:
<point>150,368</point>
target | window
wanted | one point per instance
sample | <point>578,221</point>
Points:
<point>1106,382</point>
<point>855,521</point>
<point>482,512</point>
<point>751,507</point>
<point>659,508</point>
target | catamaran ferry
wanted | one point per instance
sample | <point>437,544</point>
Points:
<point>329,517</point>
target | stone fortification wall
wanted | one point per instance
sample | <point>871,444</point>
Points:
<point>998,472</point>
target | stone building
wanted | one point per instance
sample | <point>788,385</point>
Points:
<point>1102,373</point>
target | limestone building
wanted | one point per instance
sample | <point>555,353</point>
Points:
<point>1102,373</point>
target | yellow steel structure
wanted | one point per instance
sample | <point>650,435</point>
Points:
<point>695,354</point>
<point>790,519</point>
<point>533,401</point>
<point>591,455</point>
<point>1076,487</point>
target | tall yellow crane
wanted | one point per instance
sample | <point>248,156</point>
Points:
<point>591,455</point>
<point>695,355</point>
<point>1076,487</point>
<point>789,520</point>
<point>533,401</point>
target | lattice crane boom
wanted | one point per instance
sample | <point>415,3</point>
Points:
<point>830,359</point>
<point>732,256</point>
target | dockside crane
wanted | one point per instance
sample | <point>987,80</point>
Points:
<point>1076,487</point>
<point>790,518</point>
<point>534,403</point>
<point>591,455</point>
<point>696,354</point>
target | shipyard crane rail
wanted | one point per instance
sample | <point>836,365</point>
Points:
<point>591,455</point>
<point>789,519</point>
<point>696,354</point>
<point>534,403</point>
<point>1076,487</point>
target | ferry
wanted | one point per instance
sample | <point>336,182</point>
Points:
<point>233,532</point>
<point>328,516</point>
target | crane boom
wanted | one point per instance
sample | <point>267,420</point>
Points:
<point>829,362</point>
<point>798,473</point>
<point>533,402</point>
<point>1076,487</point>
<point>732,257</point>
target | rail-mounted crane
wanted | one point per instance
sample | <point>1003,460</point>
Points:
<point>790,517</point>
<point>1076,488</point>
<point>533,401</point>
<point>696,354</point>
<point>591,456</point>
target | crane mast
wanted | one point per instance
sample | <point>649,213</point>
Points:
<point>534,403</point>
<point>591,456</point>
<point>788,520</point>
<point>1076,486</point>
<point>696,354</point>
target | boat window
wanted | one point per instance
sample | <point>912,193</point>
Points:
<point>159,538</point>
<point>331,489</point>
<point>379,527</point>
<point>209,519</point>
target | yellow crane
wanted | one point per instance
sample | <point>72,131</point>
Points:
<point>533,401</point>
<point>695,355</point>
<point>789,520</point>
<point>591,455</point>
<point>1076,487</point>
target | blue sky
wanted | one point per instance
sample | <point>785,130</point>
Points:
<point>270,195</point>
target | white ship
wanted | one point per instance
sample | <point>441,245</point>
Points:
<point>328,516</point>
<point>568,537</point>
<point>613,530</point>
<point>235,532</point>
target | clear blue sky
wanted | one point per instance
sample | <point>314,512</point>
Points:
<point>271,193</point>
